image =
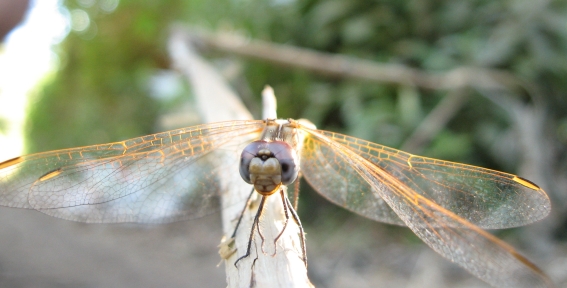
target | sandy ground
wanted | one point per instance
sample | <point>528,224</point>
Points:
<point>40,251</point>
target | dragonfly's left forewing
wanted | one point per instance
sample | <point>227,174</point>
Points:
<point>327,170</point>
<point>487,198</point>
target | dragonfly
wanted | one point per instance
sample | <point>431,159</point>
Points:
<point>175,175</point>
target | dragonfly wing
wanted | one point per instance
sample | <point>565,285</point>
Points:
<point>337,180</point>
<point>162,177</point>
<point>455,238</point>
<point>487,198</point>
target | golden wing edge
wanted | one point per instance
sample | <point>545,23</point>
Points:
<point>123,144</point>
<point>11,162</point>
<point>393,152</point>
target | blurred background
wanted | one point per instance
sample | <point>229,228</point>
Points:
<point>83,72</point>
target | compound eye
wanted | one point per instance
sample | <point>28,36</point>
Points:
<point>289,171</point>
<point>287,157</point>
<point>250,152</point>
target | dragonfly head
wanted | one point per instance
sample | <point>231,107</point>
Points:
<point>268,165</point>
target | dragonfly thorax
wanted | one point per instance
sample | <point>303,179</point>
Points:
<point>267,165</point>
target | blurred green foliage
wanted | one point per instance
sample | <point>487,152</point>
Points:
<point>101,91</point>
<point>3,125</point>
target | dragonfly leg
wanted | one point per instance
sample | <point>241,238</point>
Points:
<point>254,224</point>
<point>288,207</point>
<point>301,232</point>
<point>296,191</point>
<point>286,213</point>
<point>242,213</point>
<point>260,234</point>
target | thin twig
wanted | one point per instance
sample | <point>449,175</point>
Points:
<point>435,121</point>
<point>349,67</point>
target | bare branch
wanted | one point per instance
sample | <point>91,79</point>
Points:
<point>217,102</point>
<point>349,67</point>
<point>435,121</point>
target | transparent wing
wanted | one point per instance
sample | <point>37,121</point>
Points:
<point>487,198</point>
<point>457,239</point>
<point>162,177</point>
<point>341,184</point>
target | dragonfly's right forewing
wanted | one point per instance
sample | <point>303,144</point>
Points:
<point>162,177</point>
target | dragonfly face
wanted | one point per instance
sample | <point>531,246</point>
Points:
<point>174,175</point>
<point>271,162</point>
<point>268,165</point>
